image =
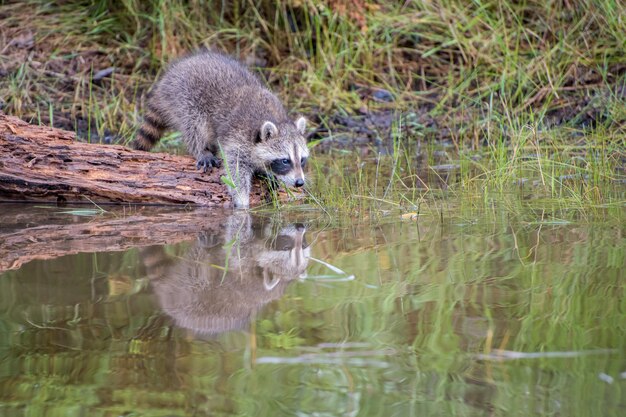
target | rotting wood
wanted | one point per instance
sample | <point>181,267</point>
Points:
<point>51,232</point>
<point>44,164</point>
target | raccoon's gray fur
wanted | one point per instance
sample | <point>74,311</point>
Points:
<point>218,104</point>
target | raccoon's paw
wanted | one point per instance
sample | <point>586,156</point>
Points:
<point>207,161</point>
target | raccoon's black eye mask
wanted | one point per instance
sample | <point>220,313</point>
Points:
<point>281,166</point>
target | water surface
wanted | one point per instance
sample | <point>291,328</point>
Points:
<point>189,313</point>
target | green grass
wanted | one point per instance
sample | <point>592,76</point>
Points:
<point>520,91</point>
<point>541,167</point>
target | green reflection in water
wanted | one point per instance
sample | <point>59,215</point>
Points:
<point>495,314</point>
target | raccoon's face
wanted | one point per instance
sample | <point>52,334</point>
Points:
<point>282,151</point>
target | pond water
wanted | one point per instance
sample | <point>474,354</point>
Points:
<point>148,312</point>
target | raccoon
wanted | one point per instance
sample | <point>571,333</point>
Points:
<point>220,106</point>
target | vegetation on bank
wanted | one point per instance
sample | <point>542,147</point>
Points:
<point>511,93</point>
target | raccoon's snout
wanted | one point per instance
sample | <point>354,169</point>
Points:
<point>299,182</point>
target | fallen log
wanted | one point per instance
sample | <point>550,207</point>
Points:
<point>44,164</point>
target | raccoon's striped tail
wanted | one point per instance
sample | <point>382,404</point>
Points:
<point>150,131</point>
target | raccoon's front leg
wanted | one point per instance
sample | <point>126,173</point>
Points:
<point>241,176</point>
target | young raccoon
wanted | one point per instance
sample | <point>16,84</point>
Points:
<point>218,104</point>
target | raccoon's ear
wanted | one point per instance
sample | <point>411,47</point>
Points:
<point>268,130</point>
<point>301,125</point>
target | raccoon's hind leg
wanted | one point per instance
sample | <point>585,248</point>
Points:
<point>207,161</point>
<point>150,131</point>
<point>196,135</point>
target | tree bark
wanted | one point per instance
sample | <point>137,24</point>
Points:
<point>44,164</point>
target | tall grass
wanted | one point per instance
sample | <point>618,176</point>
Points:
<point>538,89</point>
<point>462,60</point>
<point>522,162</point>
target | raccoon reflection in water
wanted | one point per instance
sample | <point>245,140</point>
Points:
<point>223,280</point>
